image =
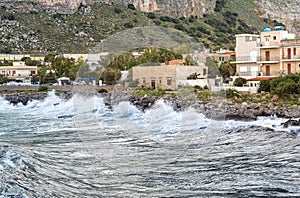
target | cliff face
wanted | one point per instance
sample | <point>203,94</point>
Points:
<point>287,12</point>
<point>169,7</point>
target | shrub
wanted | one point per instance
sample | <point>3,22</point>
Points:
<point>205,87</point>
<point>151,15</point>
<point>131,6</point>
<point>204,95</point>
<point>264,86</point>
<point>128,25</point>
<point>179,27</point>
<point>117,10</point>
<point>230,93</point>
<point>43,89</point>
<point>197,87</point>
<point>102,90</point>
<point>239,82</point>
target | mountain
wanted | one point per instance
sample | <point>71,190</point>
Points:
<point>76,26</point>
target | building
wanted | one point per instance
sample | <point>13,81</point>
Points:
<point>18,70</point>
<point>274,49</point>
<point>272,53</point>
<point>165,76</point>
<point>18,57</point>
<point>247,55</point>
<point>290,60</point>
<point>223,56</point>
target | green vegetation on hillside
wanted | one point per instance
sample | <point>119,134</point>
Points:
<point>40,31</point>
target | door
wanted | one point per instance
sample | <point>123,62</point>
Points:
<point>289,68</point>
<point>153,84</point>
<point>268,70</point>
<point>267,55</point>
<point>289,53</point>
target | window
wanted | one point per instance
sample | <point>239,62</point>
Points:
<point>204,71</point>
<point>267,39</point>
<point>274,38</point>
<point>144,80</point>
<point>221,58</point>
<point>295,51</point>
<point>250,38</point>
<point>160,80</point>
<point>169,81</point>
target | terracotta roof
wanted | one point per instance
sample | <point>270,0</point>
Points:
<point>260,78</point>
<point>176,62</point>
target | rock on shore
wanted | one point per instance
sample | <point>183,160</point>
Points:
<point>212,109</point>
<point>15,98</point>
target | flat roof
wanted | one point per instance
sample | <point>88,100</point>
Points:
<point>240,35</point>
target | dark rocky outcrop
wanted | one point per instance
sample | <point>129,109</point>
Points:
<point>290,123</point>
<point>211,109</point>
<point>15,98</point>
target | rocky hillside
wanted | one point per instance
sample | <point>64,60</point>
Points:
<point>76,26</point>
<point>287,12</point>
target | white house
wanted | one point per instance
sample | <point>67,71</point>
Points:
<point>18,70</point>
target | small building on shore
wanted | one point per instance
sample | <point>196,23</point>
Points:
<point>18,70</point>
<point>166,76</point>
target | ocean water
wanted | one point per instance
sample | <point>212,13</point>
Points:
<point>80,148</point>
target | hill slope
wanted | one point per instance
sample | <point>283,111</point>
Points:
<point>40,26</point>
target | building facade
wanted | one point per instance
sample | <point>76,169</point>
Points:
<point>247,54</point>
<point>18,70</point>
<point>165,76</point>
<point>272,53</point>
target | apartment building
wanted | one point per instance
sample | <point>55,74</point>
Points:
<point>272,53</point>
<point>247,55</point>
<point>273,49</point>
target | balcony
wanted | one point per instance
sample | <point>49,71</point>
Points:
<point>245,59</point>
<point>269,44</point>
<point>249,74</point>
<point>289,43</point>
<point>268,59</point>
<point>290,58</point>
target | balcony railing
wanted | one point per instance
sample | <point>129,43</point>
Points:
<point>290,57</point>
<point>266,59</point>
<point>256,58</point>
<point>249,73</point>
<point>246,59</point>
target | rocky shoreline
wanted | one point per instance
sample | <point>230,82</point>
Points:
<point>24,98</point>
<point>212,109</point>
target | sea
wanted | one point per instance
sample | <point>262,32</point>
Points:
<point>82,148</point>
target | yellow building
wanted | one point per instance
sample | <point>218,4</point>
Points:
<point>277,53</point>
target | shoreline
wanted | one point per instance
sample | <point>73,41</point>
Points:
<point>217,110</point>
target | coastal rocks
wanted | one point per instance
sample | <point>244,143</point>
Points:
<point>290,123</point>
<point>24,98</point>
<point>16,98</point>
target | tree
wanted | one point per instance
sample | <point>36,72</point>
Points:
<point>50,57</point>
<point>189,60</point>
<point>239,82</point>
<point>111,76</point>
<point>264,86</point>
